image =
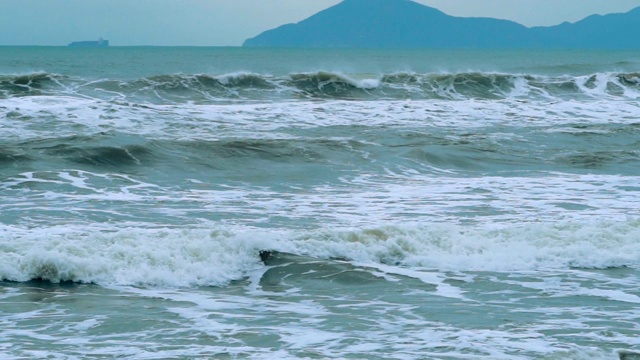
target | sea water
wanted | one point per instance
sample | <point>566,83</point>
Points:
<point>229,203</point>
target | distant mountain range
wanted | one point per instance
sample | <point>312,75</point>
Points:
<point>407,24</point>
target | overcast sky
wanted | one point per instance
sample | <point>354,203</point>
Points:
<point>230,22</point>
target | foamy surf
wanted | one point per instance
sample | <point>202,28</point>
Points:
<point>204,257</point>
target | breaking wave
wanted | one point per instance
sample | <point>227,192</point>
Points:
<point>39,83</point>
<point>203,88</point>
<point>199,257</point>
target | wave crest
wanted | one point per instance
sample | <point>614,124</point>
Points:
<point>332,85</point>
<point>179,88</point>
<point>198,257</point>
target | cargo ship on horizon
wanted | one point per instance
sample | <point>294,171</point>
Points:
<point>98,43</point>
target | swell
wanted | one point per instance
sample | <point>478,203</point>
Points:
<point>109,156</point>
<point>98,151</point>
<point>599,148</point>
<point>203,88</point>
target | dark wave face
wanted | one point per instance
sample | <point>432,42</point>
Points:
<point>249,87</point>
<point>331,85</point>
<point>29,84</point>
<point>295,156</point>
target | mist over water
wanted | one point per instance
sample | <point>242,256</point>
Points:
<point>263,203</point>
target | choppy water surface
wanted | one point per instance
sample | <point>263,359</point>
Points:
<point>232,203</point>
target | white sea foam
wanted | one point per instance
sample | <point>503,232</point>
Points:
<point>185,258</point>
<point>368,83</point>
<point>377,328</point>
<point>369,200</point>
<point>68,116</point>
<point>159,257</point>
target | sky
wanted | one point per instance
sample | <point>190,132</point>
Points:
<point>230,22</point>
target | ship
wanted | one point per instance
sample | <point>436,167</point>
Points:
<point>97,43</point>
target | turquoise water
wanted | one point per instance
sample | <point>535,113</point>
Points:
<point>307,204</point>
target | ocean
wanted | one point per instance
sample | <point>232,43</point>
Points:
<point>231,203</point>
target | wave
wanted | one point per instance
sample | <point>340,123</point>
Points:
<point>102,155</point>
<point>386,149</point>
<point>29,84</point>
<point>215,257</point>
<point>11,156</point>
<point>102,151</point>
<point>332,85</point>
<point>203,88</point>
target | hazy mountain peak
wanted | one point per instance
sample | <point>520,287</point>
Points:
<point>407,24</point>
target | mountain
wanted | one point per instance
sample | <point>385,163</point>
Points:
<point>613,31</point>
<point>407,24</point>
